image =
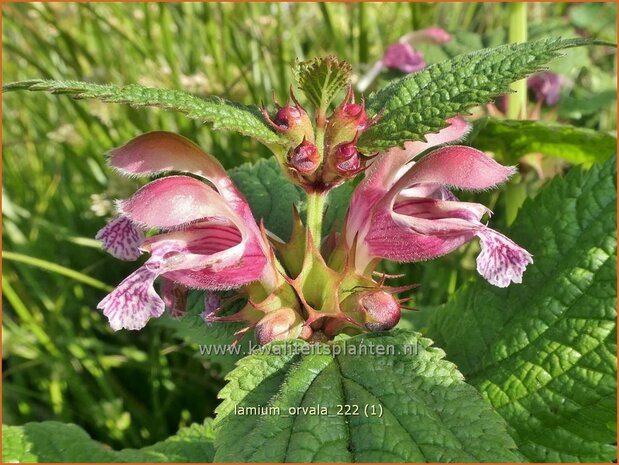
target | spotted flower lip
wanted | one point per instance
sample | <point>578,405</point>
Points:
<point>208,238</point>
<point>407,213</point>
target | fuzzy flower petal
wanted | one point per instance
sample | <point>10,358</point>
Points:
<point>212,256</point>
<point>121,239</point>
<point>134,301</point>
<point>501,261</point>
<point>206,256</point>
<point>160,152</point>
<point>389,167</point>
<point>456,166</point>
<point>409,215</point>
<point>172,202</point>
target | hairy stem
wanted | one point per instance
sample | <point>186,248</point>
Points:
<point>315,206</point>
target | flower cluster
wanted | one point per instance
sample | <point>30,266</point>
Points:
<point>199,231</point>
<point>322,168</point>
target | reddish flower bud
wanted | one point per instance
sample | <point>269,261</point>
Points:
<point>288,117</point>
<point>304,158</point>
<point>292,121</point>
<point>278,325</point>
<point>355,112</point>
<point>380,309</point>
<point>348,120</point>
<point>347,159</point>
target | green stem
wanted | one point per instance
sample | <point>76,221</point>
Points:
<point>315,206</point>
<point>517,102</point>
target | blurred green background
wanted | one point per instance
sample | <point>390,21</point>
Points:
<point>60,359</point>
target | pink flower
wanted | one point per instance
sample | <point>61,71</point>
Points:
<point>207,237</point>
<point>402,57</point>
<point>546,86</point>
<point>407,213</point>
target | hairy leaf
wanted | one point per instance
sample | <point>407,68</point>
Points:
<point>544,352</point>
<point>511,139</point>
<point>420,103</point>
<point>399,407</point>
<point>223,114</point>
<point>321,79</point>
<point>52,441</point>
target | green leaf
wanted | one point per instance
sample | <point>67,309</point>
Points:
<point>191,444</point>
<point>420,103</point>
<point>424,411</point>
<point>223,114</point>
<point>512,139</point>
<point>321,79</point>
<point>544,352</point>
<point>271,195</point>
<point>52,441</point>
<point>590,103</point>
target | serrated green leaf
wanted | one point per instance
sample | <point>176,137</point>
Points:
<point>420,103</point>
<point>56,442</point>
<point>511,139</point>
<point>321,79</point>
<point>429,414</point>
<point>223,114</point>
<point>544,352</point>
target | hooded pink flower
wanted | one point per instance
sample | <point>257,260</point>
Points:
<point>401,55</point>
<point>406,212</point>
<point>207,237</point>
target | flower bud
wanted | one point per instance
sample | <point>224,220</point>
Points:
<point>375,309</point>
<point>278,325</point>
<point>288,117</point>
<point>304,158</point>
<point>347,159</point>
<point>293,122</point>
<point>347,121</point>
<point>380,309</point>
